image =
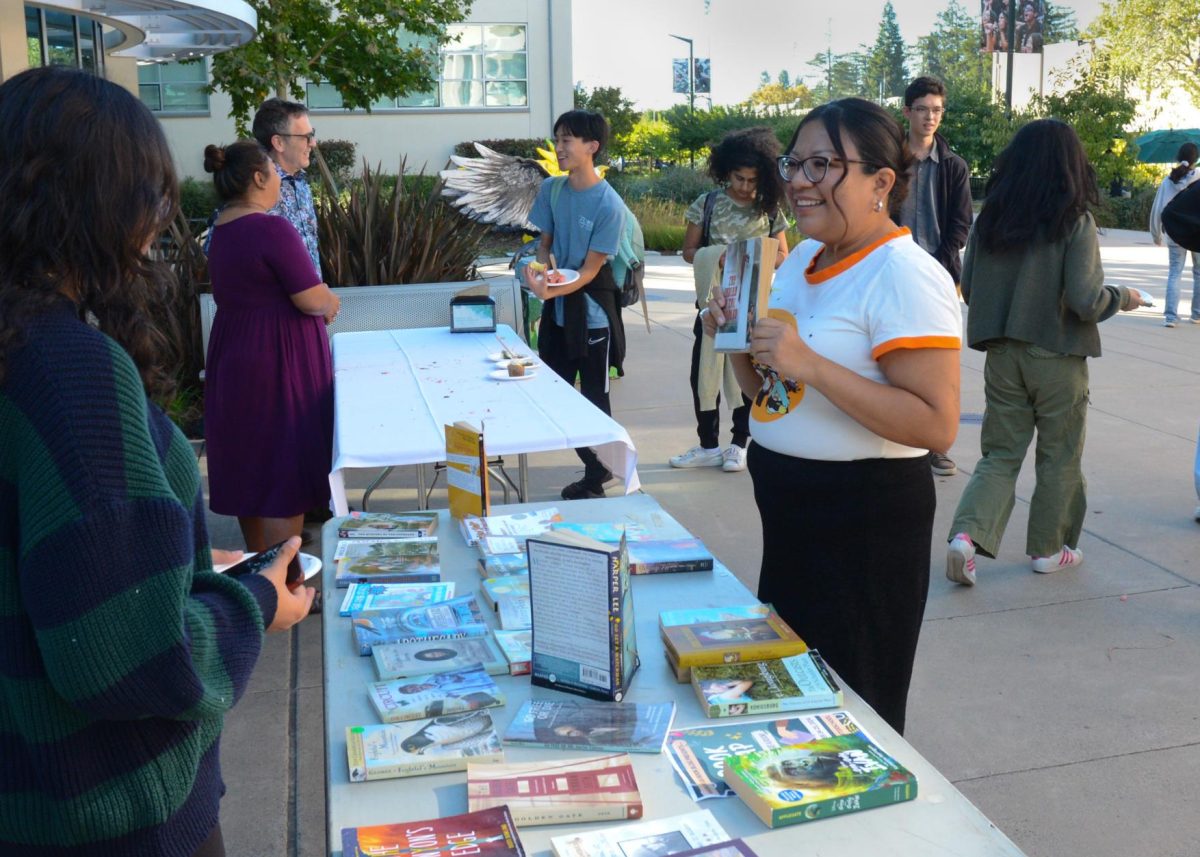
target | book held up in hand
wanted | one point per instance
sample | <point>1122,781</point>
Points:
<point>746,286</point>
<point>558,791</point>
<point>487,833</point>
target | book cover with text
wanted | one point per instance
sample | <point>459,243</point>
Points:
<point>558,791</point>
<point>419,657</point>
<point>794,683</point>
<point>581,724</point>
<point>417,747</point>
<point>466,472</point>
<point>393,596</point>
<point>487,833</point>
<point>435,694</point>
<point>746,286</point>
<point>388,525</point>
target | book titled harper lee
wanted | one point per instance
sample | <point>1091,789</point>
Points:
<point>434,695</point>
<point>829,776</point>
<point>487,833</point>
<point>416,747</point>
<point>581,606</point>
<point>746,285</point>
<point>558,791</point>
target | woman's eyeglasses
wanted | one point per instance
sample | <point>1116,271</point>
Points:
<point>815,167</point>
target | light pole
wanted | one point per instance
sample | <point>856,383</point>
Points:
<point>691,72</point>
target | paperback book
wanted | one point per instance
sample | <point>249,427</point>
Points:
<point>518,650</point>
<point>487,833</point>
<point>495,587</point>
<point>796,683</point>
<point>466,471</point>
<point>696,615</point>
<point>385,525</point>
<point>393,596</point>
<point>504,564</point>
<point>417,747</point>
<point>420,657</point>
<point>514,612</point>
<point>746,286</point>
<point>669,556</point>
<point>581,605</point>
<point>698,754</point>
<point>445,620</point>
<point>393,561</point>
<point>578,724</point>
<point>822,778</point>
<point>523,524</point>
<point>434,695</point>
<point>732,641</point>
<point>558,791</point>
<point>674,835</point>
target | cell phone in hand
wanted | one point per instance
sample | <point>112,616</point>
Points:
<point>257,563</point>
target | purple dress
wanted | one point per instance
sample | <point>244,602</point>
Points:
<point>268,397</point>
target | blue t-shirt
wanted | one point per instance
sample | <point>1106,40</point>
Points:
<point>582,221</point>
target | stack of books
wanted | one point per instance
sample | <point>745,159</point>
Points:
<point>377,547</point>
<point>725,635</point>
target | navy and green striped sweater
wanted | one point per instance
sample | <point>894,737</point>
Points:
<point>120,648</point>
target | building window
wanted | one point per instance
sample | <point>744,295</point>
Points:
<point>174,87</point>
<point>482,66</point>
<point>57,38</point>
<point>33,35</point>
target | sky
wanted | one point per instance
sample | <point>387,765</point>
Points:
<point>627,43</point>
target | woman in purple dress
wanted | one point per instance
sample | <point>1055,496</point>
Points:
<point>268,403</point>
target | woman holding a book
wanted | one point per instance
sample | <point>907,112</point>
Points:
<point>854,378</point>
<point>747,205</point>
<point>122,649</point>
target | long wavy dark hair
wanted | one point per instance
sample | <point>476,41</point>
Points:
<point>750,148</point>
<point>87,183</point>
<point>1041,185</point>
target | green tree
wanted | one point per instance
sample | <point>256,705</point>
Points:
<point>650,139</point>
<point>951,51</point>
<point>764,78</point>
<point>1099,111</point>
<point>784,79</point>
<point>617,109</point>
<point>1059,24</point>
<point>1154,42</point>
<point>350,44</point>
<point>886,75</point>
<point>777,98</point>
<point>843,73</point>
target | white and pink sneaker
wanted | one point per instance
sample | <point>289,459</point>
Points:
<point>1067,558</point>
<point>960,560</point>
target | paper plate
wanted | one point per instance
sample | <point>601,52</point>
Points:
<point>502,375</point>
<point>498,356</point>
<point>309,564</point>
<point>569,276</point>
<point>530,363</point>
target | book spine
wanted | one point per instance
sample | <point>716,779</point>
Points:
<point>739,654</point>
<point>616,676</point>
<point>829,807</point>
<point>672,566</point>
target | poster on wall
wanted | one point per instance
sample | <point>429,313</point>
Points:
<point>1030,17</point>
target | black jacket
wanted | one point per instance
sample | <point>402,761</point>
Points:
<point>572,338</point>
<point>954,210</point>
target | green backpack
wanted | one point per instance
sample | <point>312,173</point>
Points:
<point>629,263</point>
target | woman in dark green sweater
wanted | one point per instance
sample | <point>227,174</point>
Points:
<point>1033,281</point>
<point>120,649</point>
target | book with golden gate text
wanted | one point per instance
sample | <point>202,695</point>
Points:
<point>487,833</point>
<point>558,791</point>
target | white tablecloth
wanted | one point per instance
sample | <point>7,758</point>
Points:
<point>395,390</point>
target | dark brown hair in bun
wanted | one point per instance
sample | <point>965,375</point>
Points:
<point>234,166</point>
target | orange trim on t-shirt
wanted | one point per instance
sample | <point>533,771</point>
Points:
<point>916,342</point>
<point>850,261</point>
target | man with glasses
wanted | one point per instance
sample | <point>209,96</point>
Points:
<point>283,129</point>
<point>938,207</point>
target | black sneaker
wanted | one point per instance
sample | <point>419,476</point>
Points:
<point>583,490</point>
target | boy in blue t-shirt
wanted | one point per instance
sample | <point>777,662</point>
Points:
<point>581,330</point>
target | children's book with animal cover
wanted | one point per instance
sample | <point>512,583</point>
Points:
<point>445,620</point>
<point>393,596</point>
<point>388,525</point>
<point>495,587</point>
<point>698,754</point>
<point>501,565</point>
<point>487,833</point>
<point>795,683</point>
<point>392,561</point>
<point>732,641</point>
<point>818,779</point>
<point>434,695</point>
<point>672,835</point>
<point>558,791</point>
<point>514,613</point>
<point>466,472</point>
<point>746,286</point>
<point>581,604</point>
<point>416,747</point>
<point>419,657</point>
<point>580,724</point>
<point>517,646</point>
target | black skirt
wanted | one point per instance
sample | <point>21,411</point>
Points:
<point>846,547</point>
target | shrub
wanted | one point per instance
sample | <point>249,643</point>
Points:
<point>522,148</point>
<point>339,156</point>
<point>1132,212</point>
<point>662,223</point>
<point>198,199</point>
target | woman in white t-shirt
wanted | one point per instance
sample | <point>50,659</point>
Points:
<point>1177,180</point>
<point>854,378</point>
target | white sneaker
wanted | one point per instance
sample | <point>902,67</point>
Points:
<point>960,560</point>
<point>698,456</point>
<point>1067,558</point>
<point>734,458</point>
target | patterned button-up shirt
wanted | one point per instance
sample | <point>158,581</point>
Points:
<point>296,204</point>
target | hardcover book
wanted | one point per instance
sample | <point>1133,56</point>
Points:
<point>577,724</point>
<point>419,657</point>
<point>825,777</point>
<point>393,561</point>
<point>385,525</point>
<point>698,754</point>
<point>466,472</point>
<point>558,791</point>
<point>661,836</point>
<point>581,605</point>
<point>434,695</point>
<point>393,596</point>
<point>518,650</point>
<point>795,683</point>
<point>487,833</point>
<point>746,285</point>
<point>445,620</point>
<point>495,587</point>
<point>417,747</point>
<point>732,641</point>
<point>514,612</point>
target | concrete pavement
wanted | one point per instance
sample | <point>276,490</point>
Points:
<point>1063,705</point>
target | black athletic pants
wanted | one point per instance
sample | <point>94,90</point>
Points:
<point>592,369</point>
